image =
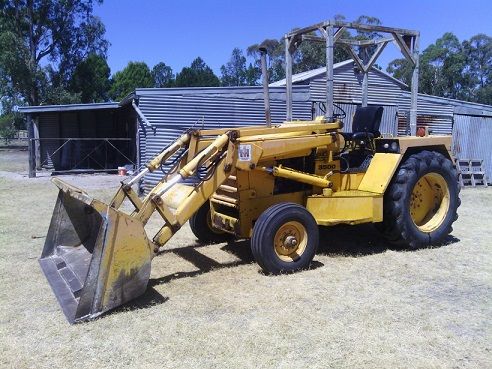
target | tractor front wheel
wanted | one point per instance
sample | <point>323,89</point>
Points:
<point>285,238</point>
<point>421,203</point>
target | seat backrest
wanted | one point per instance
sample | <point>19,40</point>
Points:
<point>367,119</point>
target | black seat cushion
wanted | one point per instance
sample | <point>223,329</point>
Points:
<point>367,120</point>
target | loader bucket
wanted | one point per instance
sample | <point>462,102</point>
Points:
<point>95,257</point>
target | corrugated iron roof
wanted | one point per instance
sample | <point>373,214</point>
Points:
<point>71,107</point>
<point>310,74</point>
<point>460,106</point>
<point>306,76</point>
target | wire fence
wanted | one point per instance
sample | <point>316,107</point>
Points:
<point>79,154</point>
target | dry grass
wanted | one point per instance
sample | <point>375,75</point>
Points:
<point>12,160</point>
<point>362,305</point>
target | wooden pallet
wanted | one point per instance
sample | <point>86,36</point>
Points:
<point>471,173</point>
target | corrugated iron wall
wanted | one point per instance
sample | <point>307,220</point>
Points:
<point>172,111</point>
<point>472,140</point>
<point>437,124</point>
<point>348,87</point>
<point>438,117</point>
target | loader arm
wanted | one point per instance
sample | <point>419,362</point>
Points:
<point>97,257</point>
<point>176,200</point>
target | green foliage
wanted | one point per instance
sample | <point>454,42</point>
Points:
<point>401,69</point>
<point>38,37</point>
<point>253,75</point>
<point>452,69</point>
<point>91,79</point>
<point>365,52</point>
<point>135,75</point>
<point>275,59</point>
<point>198,74</point>
<point>484,95</point>
<point>55,95</point>
<point>478,51</point>
<point>308,56</point>
<point>163,75</point>
<point>7,127</point>
<point>234,72</point>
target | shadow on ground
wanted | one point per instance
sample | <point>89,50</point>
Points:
<point>361,240</point>
<point>343,240</point>
<point>240,249</point>
<point>150,298</point>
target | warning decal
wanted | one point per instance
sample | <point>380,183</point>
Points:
<point>244,153</point>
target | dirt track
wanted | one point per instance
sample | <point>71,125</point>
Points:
<point>363,304</point>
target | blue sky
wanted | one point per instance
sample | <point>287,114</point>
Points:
<point>176,32</point>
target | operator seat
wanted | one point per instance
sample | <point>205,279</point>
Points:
<point>365,127</point>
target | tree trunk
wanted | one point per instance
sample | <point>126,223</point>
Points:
<point>34,93</point>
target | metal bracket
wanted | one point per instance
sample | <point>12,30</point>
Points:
<point>143,118</point>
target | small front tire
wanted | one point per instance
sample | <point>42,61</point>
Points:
<point>285,238</point>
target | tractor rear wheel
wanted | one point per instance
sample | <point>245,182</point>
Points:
<point>421,202</point>
<point>285,238</point>
<point>201,226</point>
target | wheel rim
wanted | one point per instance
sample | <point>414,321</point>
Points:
<point>429,202</point>
<point>210,226</point>
<point>290,241</point>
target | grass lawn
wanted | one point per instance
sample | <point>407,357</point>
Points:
<point>363,304</point>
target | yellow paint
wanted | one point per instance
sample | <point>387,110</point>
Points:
<point>298,176</point>
<point>434,140</point>
<point>348,181</point>
<point>290,241</point>
<point>348,209</point>
<point>429,202</point>
<point>127,250</point>
<point>379,173</point>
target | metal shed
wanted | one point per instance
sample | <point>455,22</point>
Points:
<point>80,137</point>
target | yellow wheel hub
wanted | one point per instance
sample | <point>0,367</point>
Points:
<point>429,202</point>
<point>290,241</point>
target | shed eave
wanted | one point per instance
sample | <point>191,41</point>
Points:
<point>71,107</point>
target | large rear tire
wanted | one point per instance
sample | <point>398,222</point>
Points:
<point>421,202</point>
<point>201,226</point>
<point>285,238</point>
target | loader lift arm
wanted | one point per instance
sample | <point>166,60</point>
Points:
<point>97,256</point>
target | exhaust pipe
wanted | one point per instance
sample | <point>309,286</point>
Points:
<point>266,92</point>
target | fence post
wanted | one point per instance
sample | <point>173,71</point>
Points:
<point>31,147</point>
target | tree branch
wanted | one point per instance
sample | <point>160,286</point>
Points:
<point>45,52</point>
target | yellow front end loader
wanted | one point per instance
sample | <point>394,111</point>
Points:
<point>273,185</point>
